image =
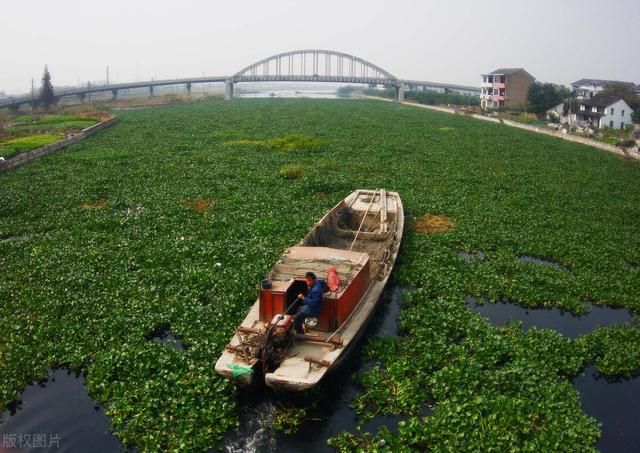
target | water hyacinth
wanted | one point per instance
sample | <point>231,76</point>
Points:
<point>84,287</point>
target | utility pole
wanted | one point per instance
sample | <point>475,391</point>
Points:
<point>33,105</point>
<point>107,74</point>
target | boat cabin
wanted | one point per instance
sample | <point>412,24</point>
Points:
<point>287,280</point>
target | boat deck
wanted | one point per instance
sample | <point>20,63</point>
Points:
<point>298,260</point>
<point>360,237</point>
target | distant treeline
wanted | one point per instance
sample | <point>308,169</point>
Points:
<point>430,97</point>
<point>345,91</point>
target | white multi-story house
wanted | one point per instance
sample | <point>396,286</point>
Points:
<point>603,111</point>
<point>588,88</point>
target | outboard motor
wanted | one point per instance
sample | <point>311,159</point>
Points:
<point>276,342</point>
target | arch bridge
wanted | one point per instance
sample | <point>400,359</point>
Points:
<point>315,65</point>
<point>312,65</point>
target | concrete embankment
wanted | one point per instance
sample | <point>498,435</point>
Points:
<point>29,156</point>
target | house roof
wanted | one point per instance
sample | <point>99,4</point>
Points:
<point>600,100</point>
<point>557,108</point>
<point>507,71</point>
<point>600,83</point>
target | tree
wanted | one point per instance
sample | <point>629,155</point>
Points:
<point>46,89</point>
<point>542,96</point>
<point>571,104</point>
<point>624,91</point>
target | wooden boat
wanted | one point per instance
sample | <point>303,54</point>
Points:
<point>359,238</point>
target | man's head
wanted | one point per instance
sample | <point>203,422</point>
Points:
<point>310,277</point>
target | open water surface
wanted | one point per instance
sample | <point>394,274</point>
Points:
<point>62,415</point>
<point>56,415</point>
<point>542,262</point>
<point>166,336</point>
<point>328,412</point>
<point>615,404</point>
<point>566,323</point>
<point>302,93</point>
<point>471,255</point>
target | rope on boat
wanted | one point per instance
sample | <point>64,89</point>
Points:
<point>373,197</point>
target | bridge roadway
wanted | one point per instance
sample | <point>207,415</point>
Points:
<point>338,67</point>
<point>412,85</point>
<point>81,92</point>
<point>16,101</point>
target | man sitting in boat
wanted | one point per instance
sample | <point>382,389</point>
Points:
<point>311,302</point>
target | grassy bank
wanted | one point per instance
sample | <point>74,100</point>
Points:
<point>430,97</point>
<point>173,216</point>
<point>19,133</point>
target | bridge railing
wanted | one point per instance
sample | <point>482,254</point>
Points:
<point>60,93</point>
<point>318,63</point>
<point>309,65</point>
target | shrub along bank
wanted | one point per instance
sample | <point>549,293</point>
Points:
<point>430,97</point>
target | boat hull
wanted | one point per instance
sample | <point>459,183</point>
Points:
<point>308,362</point>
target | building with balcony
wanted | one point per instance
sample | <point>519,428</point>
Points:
<point>603,111</point>
<point>506,87</point>
<point>588,88</point>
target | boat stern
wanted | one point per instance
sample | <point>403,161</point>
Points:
<point>239,372</point>
<point>297,374</point>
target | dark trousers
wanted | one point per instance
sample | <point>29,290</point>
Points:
<point>302,313</point>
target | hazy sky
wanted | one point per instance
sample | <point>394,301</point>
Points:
<point>450,41</point>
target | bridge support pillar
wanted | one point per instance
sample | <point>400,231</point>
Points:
<point>188,89</point>
<point>151,91</point>
<point>228,92</point>
<point>399,97</point>
<point>15,108</point>
<point>81,96</point>
<point>114,94</point>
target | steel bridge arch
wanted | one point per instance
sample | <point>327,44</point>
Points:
<point>372,72</point>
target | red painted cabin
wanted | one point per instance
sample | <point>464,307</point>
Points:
<point>287,281</point>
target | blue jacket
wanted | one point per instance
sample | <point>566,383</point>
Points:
<point>313,297</point>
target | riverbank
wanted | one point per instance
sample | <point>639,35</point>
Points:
<point>55,145</point>
<point>568,137</point>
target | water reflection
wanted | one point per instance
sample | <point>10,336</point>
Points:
<point>566,323</point>
<point>316,94</point>
<point>470,255</point>
<point>387,320</point>
<point>614,404</point>
<point>166,336</point>
<point>59,413</point>
<point>542,262</point>
<point>328,407</point>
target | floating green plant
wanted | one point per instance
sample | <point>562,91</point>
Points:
<point>98,249</point>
